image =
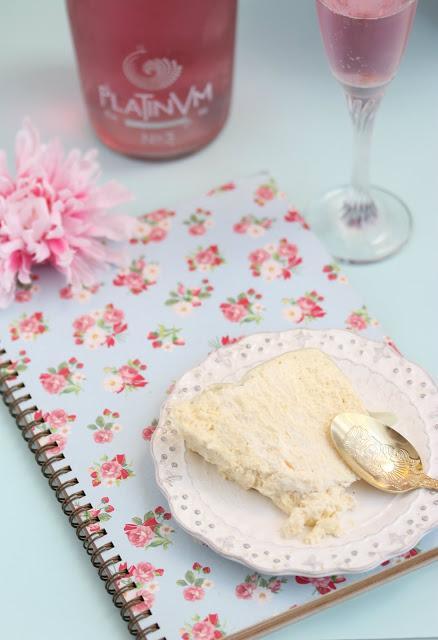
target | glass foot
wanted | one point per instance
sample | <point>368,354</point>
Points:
<point>360,228</point>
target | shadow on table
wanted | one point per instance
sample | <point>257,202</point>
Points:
<point>51,97</point>
<point>428,11</point>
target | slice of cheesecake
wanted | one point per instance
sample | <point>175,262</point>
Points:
<point>270,432</point>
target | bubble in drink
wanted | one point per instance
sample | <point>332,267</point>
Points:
<point>365,39</point>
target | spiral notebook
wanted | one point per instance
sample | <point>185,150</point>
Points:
<point>84,372</point>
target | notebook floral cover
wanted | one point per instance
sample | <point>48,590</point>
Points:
<point>99,362</point>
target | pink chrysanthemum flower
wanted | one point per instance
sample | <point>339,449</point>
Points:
<point>54,212</point>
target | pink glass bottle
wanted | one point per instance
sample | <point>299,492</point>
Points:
<point>156,74</point>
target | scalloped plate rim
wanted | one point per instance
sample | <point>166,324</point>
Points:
<point>337,568</point>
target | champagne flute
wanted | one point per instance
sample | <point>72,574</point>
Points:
<point>364,41</point>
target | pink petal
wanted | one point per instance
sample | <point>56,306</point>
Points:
<point>54,211</point>
<point>27,146</point>
<point>114,227</point>
<point>6,182</point>
<point>81,272</point>
<point>9,247</point>
<point>109,195</point>
<point>40,251</point>
<point>24,270</point>
<point>51,161</point>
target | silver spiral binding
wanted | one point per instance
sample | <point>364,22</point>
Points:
<point>14,396</point>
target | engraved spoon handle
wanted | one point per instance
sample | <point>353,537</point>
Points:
<point>428,483</point>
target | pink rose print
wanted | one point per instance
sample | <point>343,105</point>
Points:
<point>223,188</point>
<point>112,315</point>
<point>159,215</point>
<point>390,342</point>
<point>265,192</point>
<point>139,535</point>
<point>126,377</point>
<point>199,222</point>
<point>184,300</point>
<point>148,431</point>
<point>105,426</point>
<point>403,556</point>
<point>53,383</point>
<point>139,276</point>
<point>410,554</point>
<point>25,292</point>
<point>102,436</point>
<point>83,323</point>
<point>58,440</point>
<point>258,587</point>
<point>205,259</point>
<point>304,309</point>
<point>110,472</point>
<point>148,601</point>
<point>66,378</point>
<point>111,469</point>
<point>28,327</point>
<point>150,531</point>
<point>233,312</point>
<point>144,576</point>
<point>245,307</point>
<point>20,364</point>
<point>356,321</point>
<point>100,328</point>
<point>333,272</point>
<point>245,590</point>
<point>252,226</point>
<point>103,513</point>
<point>203,630</point>
<point>360,319</point>
<point>165,338</point>
<point>294,216</point>
<point>259,256</point>
<point>129,374</point>
<point>224,341</point>
<point>58,422</point>
<point>208,628</point>
<point>275,261</point>
<point>56,418</point>
<point>195,582</point>
<point>322,585</point>
<point>81,293</point>
<point>25,295</point>
<point>153,227</point>
<point>193,593</point>
<point>207,256</point>
<point>145,572</point>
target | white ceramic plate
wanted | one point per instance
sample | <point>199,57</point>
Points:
<point>244,525</point>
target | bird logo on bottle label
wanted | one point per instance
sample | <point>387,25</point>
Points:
<point>151,74</point>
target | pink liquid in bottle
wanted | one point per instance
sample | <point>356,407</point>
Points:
<point>156,74</point>
<point>365,39</point>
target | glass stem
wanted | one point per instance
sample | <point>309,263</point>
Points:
<point>360,209</point>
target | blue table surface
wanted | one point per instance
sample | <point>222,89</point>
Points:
<point>288,116</point>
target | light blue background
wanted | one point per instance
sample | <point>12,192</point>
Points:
<point>288,116</point>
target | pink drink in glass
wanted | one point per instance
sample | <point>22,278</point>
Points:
<point>365,39</point>
<point>156,74</point>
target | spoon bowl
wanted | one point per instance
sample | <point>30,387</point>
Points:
<point>379,454</point>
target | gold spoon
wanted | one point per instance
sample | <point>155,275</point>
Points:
<point>379,454</point>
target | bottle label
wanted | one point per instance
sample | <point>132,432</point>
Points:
<point>144,109</point>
